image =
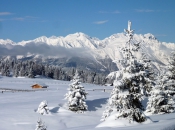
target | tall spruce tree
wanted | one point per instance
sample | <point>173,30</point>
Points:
<point>162,99</point>
<point>76,95</point>
<point>170,74</point>
<point>31,73</point>
<point>148,78</point>
<point>130,84</point>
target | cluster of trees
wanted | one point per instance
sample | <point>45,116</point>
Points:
<point>31,69</point>
<point>137,80</point>
<point>162,96</point>
<point>133,82</point>
<point>76,96</point>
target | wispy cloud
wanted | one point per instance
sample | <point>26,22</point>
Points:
<point>144,10</point>
<point>116,12</point>
<point>25,18</point>
<point>101,22</point>
<point>109,12</point>
<point>5,13</point>
<point>19,19</point>
<point>103,12</point>
<point>31,17</point>
<point>2,20</point>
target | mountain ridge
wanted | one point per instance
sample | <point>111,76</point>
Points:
<point>83,46</point>
<point>54,40</point>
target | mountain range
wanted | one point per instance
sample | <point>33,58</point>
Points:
<point>84,52</point>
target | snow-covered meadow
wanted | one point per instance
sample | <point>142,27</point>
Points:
<point>18,109</point>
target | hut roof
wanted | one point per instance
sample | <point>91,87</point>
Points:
<point>40,84</point>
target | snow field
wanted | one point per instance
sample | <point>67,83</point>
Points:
<point>18,109</point>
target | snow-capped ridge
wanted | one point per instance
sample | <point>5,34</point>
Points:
<point>79,39</point>
<point>76,40</point>
<point>150,36</point>
<point>109,46</point>
<point>7,41</point>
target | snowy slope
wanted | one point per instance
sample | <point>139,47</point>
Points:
<point>18,108</point>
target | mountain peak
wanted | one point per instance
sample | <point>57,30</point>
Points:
<point>80,34</point>
<point>150,36</point>
<point>7,41</point>
<point>77,35</point>
<point>109,47</point>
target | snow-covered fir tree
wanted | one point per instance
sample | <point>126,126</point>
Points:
<point>147,78</point>
<point>31,73</point>
<point>15,71</point>
<point>40,125</point>
<point>5,71</point>
<point>162,99</point>
<point>76,95</point>
<point>43,108</point>
<point>170,74</point>
<point>131,83</point>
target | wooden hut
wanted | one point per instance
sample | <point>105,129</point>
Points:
<point>36,86</point>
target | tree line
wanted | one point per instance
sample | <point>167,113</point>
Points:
<point>31,69</point>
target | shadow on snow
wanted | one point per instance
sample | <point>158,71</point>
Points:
<point>54,110</point>
<point>97,103</point>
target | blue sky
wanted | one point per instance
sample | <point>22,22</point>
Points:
<point>29,19</point>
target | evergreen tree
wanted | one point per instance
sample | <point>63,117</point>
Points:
<point>31,73</point>
<point>5,70</point>
<point>56,73</point>
<point>40,125</point>
<point>16,71</point>
<point>22,71</point>
<point>2,71</point>
<point>76,95</point>
<point>147,78</point>
<point>170,74</point>
<point>130,84</point>
<point>43,108</point>
<point>161,99</point>
<point>90,77</point>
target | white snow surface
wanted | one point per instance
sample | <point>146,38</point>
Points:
<point>18,109</point>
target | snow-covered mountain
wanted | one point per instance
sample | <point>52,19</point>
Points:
<point>90,50</point>
<point>77,40</point>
